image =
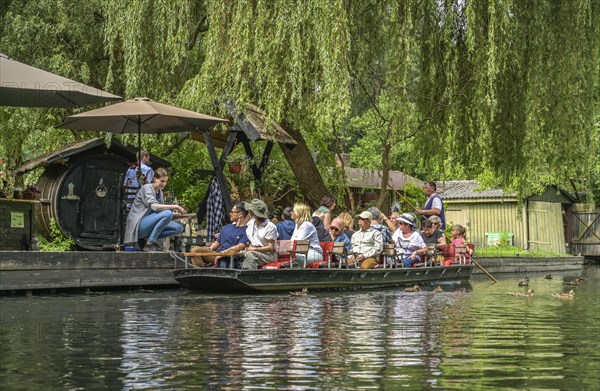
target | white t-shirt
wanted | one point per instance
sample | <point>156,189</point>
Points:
<point>406,246</point>
<point>307,231</point>
<point>436,203</point>
<point>258,235</point>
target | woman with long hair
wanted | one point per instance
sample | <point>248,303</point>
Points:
<point>305,230</point>
<point>150,218</point>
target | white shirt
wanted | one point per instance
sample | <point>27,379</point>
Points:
<point>437,202</point>
<point>406,246</point>
<point>307,231</point>
<point>259,235</point>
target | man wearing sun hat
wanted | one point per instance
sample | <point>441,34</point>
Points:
<point>367,243</point>
<point>262,234</point>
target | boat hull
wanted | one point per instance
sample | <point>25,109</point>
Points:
<point>235,280</point>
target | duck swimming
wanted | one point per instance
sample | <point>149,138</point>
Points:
<point>524,282</point>
<point>303,292</point>
<point>564,296</point>
<point>548,276</point>
<point>415,288</point>
<point>529,293</point>
<point>438,289</point>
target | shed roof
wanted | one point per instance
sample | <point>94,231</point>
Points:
<point>62,154</point>
<point>467,189</point>
<point>371,179</point>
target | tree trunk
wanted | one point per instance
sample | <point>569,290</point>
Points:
<point>300,160</point>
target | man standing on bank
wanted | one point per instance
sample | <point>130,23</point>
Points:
<point>434,205</point>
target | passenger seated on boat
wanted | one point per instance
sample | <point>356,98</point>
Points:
<point>459,237</point>
<point>231,239</point>
<point>138,174</point>
<point>367,243</point>
<point>322,233</point>
<point>376,224</point>
<point>408,241</point>
<point>336,229</point>
<point>151,219</point>
<point>432,236</point>
<point>305,230</point>
<point>348,223</point>
<point>262,235</point>
<point>285,228</point>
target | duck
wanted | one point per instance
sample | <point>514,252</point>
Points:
<point>524,282</point>
<point>548,276</point>
<point>529,293</point>
<point>576,281</point>
<point>565,296</point>
<point>303,292</point>
<point>415,288</point>
<point>438,289</point>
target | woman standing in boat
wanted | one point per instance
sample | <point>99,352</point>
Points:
<point>151,219</point>
<point>305,230</point>
<point>262,235</point>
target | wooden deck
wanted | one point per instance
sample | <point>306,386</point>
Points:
<point>31,270</point>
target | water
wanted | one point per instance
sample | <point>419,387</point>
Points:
<point>480,338</point>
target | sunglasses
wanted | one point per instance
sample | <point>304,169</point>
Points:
<point>334,229</point>
<point>403,223</point>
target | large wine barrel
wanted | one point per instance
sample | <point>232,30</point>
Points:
<point>85,200</point>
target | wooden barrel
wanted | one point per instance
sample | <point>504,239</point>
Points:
<point>85,200</point>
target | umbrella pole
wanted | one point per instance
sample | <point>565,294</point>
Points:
<point>139,154</point>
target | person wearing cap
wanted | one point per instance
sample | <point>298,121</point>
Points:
<point>305,230</point>
<point>262,234</point>
<point>336,229</point>
<point>367,243</point>
<point>378,218</point>
<point>434,205</point>
<point>409,243</point>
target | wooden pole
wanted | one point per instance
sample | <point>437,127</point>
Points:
<point>404,198</point>
<point>485,271</point>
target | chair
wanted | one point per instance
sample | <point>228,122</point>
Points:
<point>388,255</point>
<point>301,247</point>
<point>462,254</point>
<point>431,255</point>
<point>339,252</point>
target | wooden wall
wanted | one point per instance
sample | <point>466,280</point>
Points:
<point>546,229</point>
<point>482,217</point>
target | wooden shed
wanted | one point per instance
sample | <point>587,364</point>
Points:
<point>539,223</point>
<point>82,190</point>
<point>365,186</point>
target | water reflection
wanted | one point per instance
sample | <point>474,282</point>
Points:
<point>385,339</point>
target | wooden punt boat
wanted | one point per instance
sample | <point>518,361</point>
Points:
<point>264,280</point>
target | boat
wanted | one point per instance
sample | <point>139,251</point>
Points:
<point>279,280</point>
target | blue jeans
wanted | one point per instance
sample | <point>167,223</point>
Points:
<point>407,262</point>
<point>158,225</point>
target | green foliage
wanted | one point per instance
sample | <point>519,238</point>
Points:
<point>507,91</point>
<point>58,242</point>
<point>415,195</point>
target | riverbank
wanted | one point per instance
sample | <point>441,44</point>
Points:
<point>31,270</point>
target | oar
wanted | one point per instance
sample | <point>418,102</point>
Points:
<point>483,270</point>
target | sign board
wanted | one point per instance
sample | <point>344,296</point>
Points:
<point>495,238</point>
<point>17,220</point>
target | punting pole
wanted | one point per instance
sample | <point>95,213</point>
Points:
<point>485,271</point>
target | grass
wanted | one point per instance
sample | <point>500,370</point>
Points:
<point>511,251</point>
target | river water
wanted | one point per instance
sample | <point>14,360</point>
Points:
<point>476,338</point>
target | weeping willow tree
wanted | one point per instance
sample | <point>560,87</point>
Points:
<point>505,91</point>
